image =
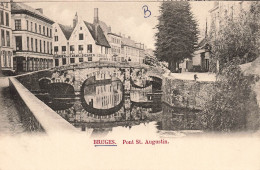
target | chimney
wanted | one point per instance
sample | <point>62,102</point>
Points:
<point>75,20</point>
<point>109,29</point>
<point>40,10</point>
<point>96,20</point>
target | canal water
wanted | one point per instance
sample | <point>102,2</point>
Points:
<point>104,105</point>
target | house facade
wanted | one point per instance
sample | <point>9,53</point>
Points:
<point>84,42</point>
<point>202,56</point>
<point>132,51</point>
<point>6,51</point>
<point>32,38</point>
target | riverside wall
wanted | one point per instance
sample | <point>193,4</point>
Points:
<point>187,93</point>
<point>37,115</point>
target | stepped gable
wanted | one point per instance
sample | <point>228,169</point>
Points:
<point>100,38</point>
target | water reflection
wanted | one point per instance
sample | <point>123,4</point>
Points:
<point>103,94</point>
<point>103,106</point>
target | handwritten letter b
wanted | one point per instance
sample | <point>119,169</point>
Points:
<point>147,12</point>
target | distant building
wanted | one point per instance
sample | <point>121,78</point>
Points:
<point>219,14</point>
<point>6,50</point>
<point>132,51</point>
<point>115,41</point>
<point>84,42</point>
<point>202,56</point>
<point>32,38</point>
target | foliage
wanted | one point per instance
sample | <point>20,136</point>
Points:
<point>177,33</point>
<point>237,36</point>
<point>228,111</point>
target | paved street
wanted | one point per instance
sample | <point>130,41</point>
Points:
<point>9,117</point>
<point>190,76</point>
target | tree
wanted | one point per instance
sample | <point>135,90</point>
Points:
<point>234,101</point>
<point>177,33</point>
<point>237,36</point>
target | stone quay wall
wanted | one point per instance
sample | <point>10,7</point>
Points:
<point>187,93</point>
<point>37,115</point>
<point>30,80</point>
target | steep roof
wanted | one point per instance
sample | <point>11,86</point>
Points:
<point>100,38</point>
<point>67,30</point>
<point>21,8</point>
<point>203,43</point>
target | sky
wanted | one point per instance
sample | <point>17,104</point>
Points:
<point>124,17</point>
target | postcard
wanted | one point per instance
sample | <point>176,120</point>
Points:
<point>126,85</point>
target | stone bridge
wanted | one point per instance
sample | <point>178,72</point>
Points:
<point>75,75</point>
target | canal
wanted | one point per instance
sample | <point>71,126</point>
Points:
<point>104,106</point>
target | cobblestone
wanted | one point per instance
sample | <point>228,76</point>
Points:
<point>10,123</point>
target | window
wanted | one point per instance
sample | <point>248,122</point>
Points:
<point>40,45</point>
<point>43,29</point>
<point>56,49</point>
<point>64,62</point>
<point>55,30</point>
<point>3,37</point>
<point>44,47</point>
<point>51,47</point>
<point>56,38</point>
<point>72,60</point>
<point>31,44</point>
<point>80,48</point>
<point>56,62</point>
<point>48,50</point>
<point>35,27</point>
<point>1,18</point>
<point>81,59</point>
<point>17,24</point>
<point>36,45</point>
<point>31,26</point>
<point>89,48</point>
<point>80,36</point>
<point>50,32</point>
<point>72,49</point>
<point>28,43</point>
<point>27,25</point>
<point>63,49</point>
<point>89,58</point>
<point>18,42</point>
<point>6,19</point>
<point>7,38</point>
<point>40,29</point>
<point>80,28</point>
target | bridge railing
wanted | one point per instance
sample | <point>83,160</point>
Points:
<point>101,63</point>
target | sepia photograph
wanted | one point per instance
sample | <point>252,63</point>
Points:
<point>127,85</point>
